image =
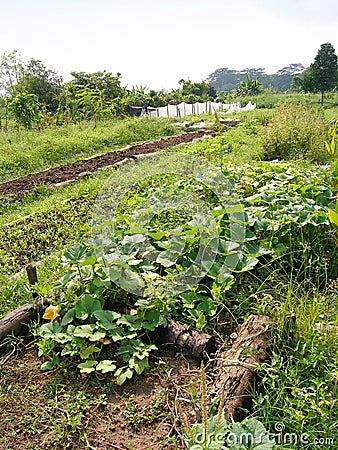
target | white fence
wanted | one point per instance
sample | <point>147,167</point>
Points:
<point>188,109</point>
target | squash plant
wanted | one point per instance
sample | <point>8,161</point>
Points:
<point>119,288</point>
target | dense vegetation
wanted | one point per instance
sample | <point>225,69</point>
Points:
<point>227,80</point>
<point>259,199</point>
<point>34,96</point>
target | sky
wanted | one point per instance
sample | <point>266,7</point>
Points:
<point>155,43</point>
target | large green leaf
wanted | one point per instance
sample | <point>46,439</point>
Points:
<point>139,365</point>
<point>167,258</point>
<point>84,331</point>
<point>88,351</point>
<point>251,434</point>
<point>106,319</point>
<point>131,280</point>
<point>68,317</point>
<point>122,374</point>
<point>87,367</point>
<point>86,306</point>
<point>105,366</point>
<point>76,253</point>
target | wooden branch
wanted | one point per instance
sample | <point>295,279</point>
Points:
<point>195,343</point>
<point>16,322</point>
<point>235,368</point>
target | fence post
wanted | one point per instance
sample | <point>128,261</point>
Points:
<point>32,277</point>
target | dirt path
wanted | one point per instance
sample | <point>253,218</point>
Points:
<point>71,172</point>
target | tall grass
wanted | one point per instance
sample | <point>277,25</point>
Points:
<point>297,388</point>
<point>296,131</point>
<point>30,151</point>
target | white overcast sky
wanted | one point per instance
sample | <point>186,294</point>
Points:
<point>155,43</point>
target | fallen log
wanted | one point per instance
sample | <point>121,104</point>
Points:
<point>235,368</point>
<point>17,322</point>
<point>194,342</point>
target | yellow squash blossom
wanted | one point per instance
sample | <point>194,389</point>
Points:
<point>51,313</point>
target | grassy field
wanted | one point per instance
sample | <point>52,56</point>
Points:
<point>27,151</point>
<point>286,269</point>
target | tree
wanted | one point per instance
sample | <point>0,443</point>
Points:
<point>198,91</point>
<point>322,75</point>
<point>283,80</point>
<point>11,71</point>
<point>45,83</point>
<point>226,80</point>
<point>105,82</point>
<point>94,95</point>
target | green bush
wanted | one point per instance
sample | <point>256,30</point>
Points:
<point>296,131</point>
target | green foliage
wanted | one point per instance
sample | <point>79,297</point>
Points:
<point>331,147</point>
<point>289,234</point>
<point>29,151</point>
<point>93,104</point>
<point>137,416</point>
<point>215,432</point>
<point>193,92</point>
<point>105,82</point>
<point>11,71</point>
<point>19,243</point>
<point>226,80</point>
<point>280,204</point>
<point>42,82</point>
<point>87,328</point>
<point>248,87</point>
<point>92,95</point>
<point>296,131</point>
<point>288,210</point>
<point>4,113</point>
<point>25,109</point>
<point>223,435</point>
<point>322,75</point>
<point>298,385</point>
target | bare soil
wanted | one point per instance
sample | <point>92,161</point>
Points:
<point>71,172</point>
<point>63,410</point>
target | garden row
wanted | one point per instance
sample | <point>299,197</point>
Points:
<point>275,254</point>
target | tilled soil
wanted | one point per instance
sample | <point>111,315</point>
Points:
<point>71,172</point>
<point>62,410</point>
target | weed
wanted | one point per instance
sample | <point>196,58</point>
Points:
<point>296,131</point>
<point>137,415</point>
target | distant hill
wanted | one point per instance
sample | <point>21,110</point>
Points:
<point>226,79</point>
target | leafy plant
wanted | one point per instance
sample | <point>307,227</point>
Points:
<point>331,147</point>
<point>249,86</point>
<point>280,202</point>
<point>25,109</point>
<point>296,131</point>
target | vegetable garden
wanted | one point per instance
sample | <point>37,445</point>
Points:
<point>240,223</point>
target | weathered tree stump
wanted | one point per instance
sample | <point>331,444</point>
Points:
<point>16,322</point>
<point>195,343</point>
<point>235,368</point>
